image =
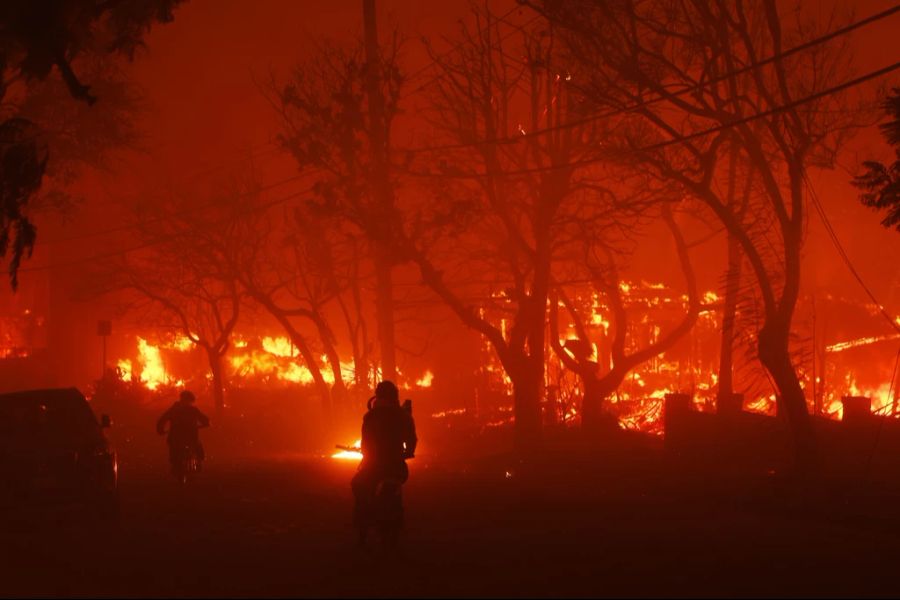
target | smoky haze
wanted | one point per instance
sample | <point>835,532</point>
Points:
<point>613,253</point>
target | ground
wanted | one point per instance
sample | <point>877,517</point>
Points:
<point>279,526</point>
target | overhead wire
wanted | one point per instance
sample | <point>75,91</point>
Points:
<point>681,138</point>
<point>675,94</point>
<point>836,242</point>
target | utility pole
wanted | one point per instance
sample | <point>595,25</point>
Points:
<point>815,384</point>
<point>382,222</point>
<point>104,330</point>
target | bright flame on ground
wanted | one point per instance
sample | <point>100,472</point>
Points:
<point>280,346</point>
<point>182,343</point>
<point>153,373</point>
<point>425,380</point>
<point>262,364</point>
<point>349,454</point>
<point>881,397</point>
<point>125,368</point>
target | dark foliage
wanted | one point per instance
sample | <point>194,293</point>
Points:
<point>23,159</point>
<point>880,183</point>
<point>35,37</point>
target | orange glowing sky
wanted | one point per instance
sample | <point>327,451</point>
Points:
<point>206,114</point>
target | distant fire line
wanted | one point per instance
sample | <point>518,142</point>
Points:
<point>864,341</point>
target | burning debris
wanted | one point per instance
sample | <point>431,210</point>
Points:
<point>274,362</point>
<point>351,452</point>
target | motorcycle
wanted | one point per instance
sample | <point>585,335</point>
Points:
<point>186,463</point>
<point>186,458</point>
<point>387,511</point>
<point>384,513</point>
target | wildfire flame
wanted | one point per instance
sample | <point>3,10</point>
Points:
<point>637,404</point>
<point>280,346</point>
<point>425,380</point>
<point>355,454</point>
<point>864,341</point>
<point>153,370</point>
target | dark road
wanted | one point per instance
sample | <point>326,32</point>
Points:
<point>280,527</point>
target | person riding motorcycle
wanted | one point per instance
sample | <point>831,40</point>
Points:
<point>184,421</point>
<point>388,440</point>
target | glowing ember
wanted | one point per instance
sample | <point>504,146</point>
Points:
<point>764,405</point>
<point>445,413</point>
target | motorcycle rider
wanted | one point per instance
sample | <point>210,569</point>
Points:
<point>388,439</point>
<point>184,420</point>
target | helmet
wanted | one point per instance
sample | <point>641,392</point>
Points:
<point>187,396</point>
<point>387,393</point>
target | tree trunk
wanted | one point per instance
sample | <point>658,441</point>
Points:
<point>725,390</point>
<point>384,196</point>
<point>729,313</point>
<point>311,363</point>
<point>218,379</point>
<point>527,407</point>
<point>384,308</point>
<point>774,339</point>
<point>597,390</point>
<point>300,342</point>
<point>531,373</point>
<point>314,370</point>
<point>822,366</point>
<point>775,357</point>
<point>360,365</point>
<point>591,403</point>
<point>338,389</point>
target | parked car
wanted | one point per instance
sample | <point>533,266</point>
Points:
<point>53,450</point>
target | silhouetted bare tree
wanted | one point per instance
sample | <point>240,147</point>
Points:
<point>181,280</point>
<point>600,382</point>
<point>337,110</point>
<point>293,274</point>
<point>512,200</point>
<point>690,74</point>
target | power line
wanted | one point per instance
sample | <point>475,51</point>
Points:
<point>643,104</point>
<point>269,147</point>
<point>254,153</point>
<point>433,62</point>
<point>844,256</point>
<point>682,138</point>
<point>451,50</point>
